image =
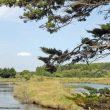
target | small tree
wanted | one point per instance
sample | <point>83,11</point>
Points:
<point>26,74</point>
<point>8,73</point>
<point>5,73</point>
<point>12,72</point>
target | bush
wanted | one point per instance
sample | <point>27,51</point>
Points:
<point>26,74</point>
<point>8,73</point>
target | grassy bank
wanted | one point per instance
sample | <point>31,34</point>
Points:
<point>61,80</point>
<point>83,80</point>
<point>50,92</point>
<point>45,92</point>
<point>86,80</point>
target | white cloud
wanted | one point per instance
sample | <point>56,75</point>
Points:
<point>23,54</point>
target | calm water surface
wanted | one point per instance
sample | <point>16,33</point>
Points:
<point>8,101</point>
<point>79,86</point>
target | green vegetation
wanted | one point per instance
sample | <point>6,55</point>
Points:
<point>57,13</point>
<point>90,89</point>
<point>48,90</point>
<point>26,74</point>
<point>95,70</point>
<point>51,92</point>
<point>97,100</point>
<point>7,73</point>
<point>89,50</point>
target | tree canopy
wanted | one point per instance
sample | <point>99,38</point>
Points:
<point>60,13</point>
<point>57,13</point>
<point>88,49</point>
<point>7,73</point>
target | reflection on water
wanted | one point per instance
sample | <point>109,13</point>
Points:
<point>93,85</point>
<point>8,102</point>
<point>79,86</point>
<point>96,86</point>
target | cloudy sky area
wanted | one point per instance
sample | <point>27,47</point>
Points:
<point>20,42</point>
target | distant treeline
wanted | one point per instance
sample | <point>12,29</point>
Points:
<point>7,73</point>
<point>94,70</point>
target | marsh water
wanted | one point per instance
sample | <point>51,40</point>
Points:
<point>8,102</point>
<point>79,86</point>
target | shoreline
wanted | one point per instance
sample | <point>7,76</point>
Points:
<point>49,92</point>
<point>41,105</point>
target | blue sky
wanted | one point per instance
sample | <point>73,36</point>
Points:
<point>20,42</point>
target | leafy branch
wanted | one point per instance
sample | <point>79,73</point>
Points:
<point>89,49</point>
<point>57,13</point>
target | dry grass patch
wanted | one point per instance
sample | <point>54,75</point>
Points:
<point>48,93</point>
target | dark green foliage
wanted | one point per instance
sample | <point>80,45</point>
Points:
<point>89,49</point>
<point>42,72</point>
<point>51,51</point>
<point>90,89</point>
<point>95,70</point>
<point>86,41</point>
<point>99,32</point>
<point>96,100</point>
<point>57,13</point>
<point>12,72</point>
<point>83,70</point>
<point>50,68</point>
<point>54,56</point>
<point>26,74</point>
<point>7,73</point>
<point>104,91</point>
<point>44,59</point>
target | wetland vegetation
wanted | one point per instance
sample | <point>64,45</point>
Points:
<point>59,92</point>
<point>52,93</point>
